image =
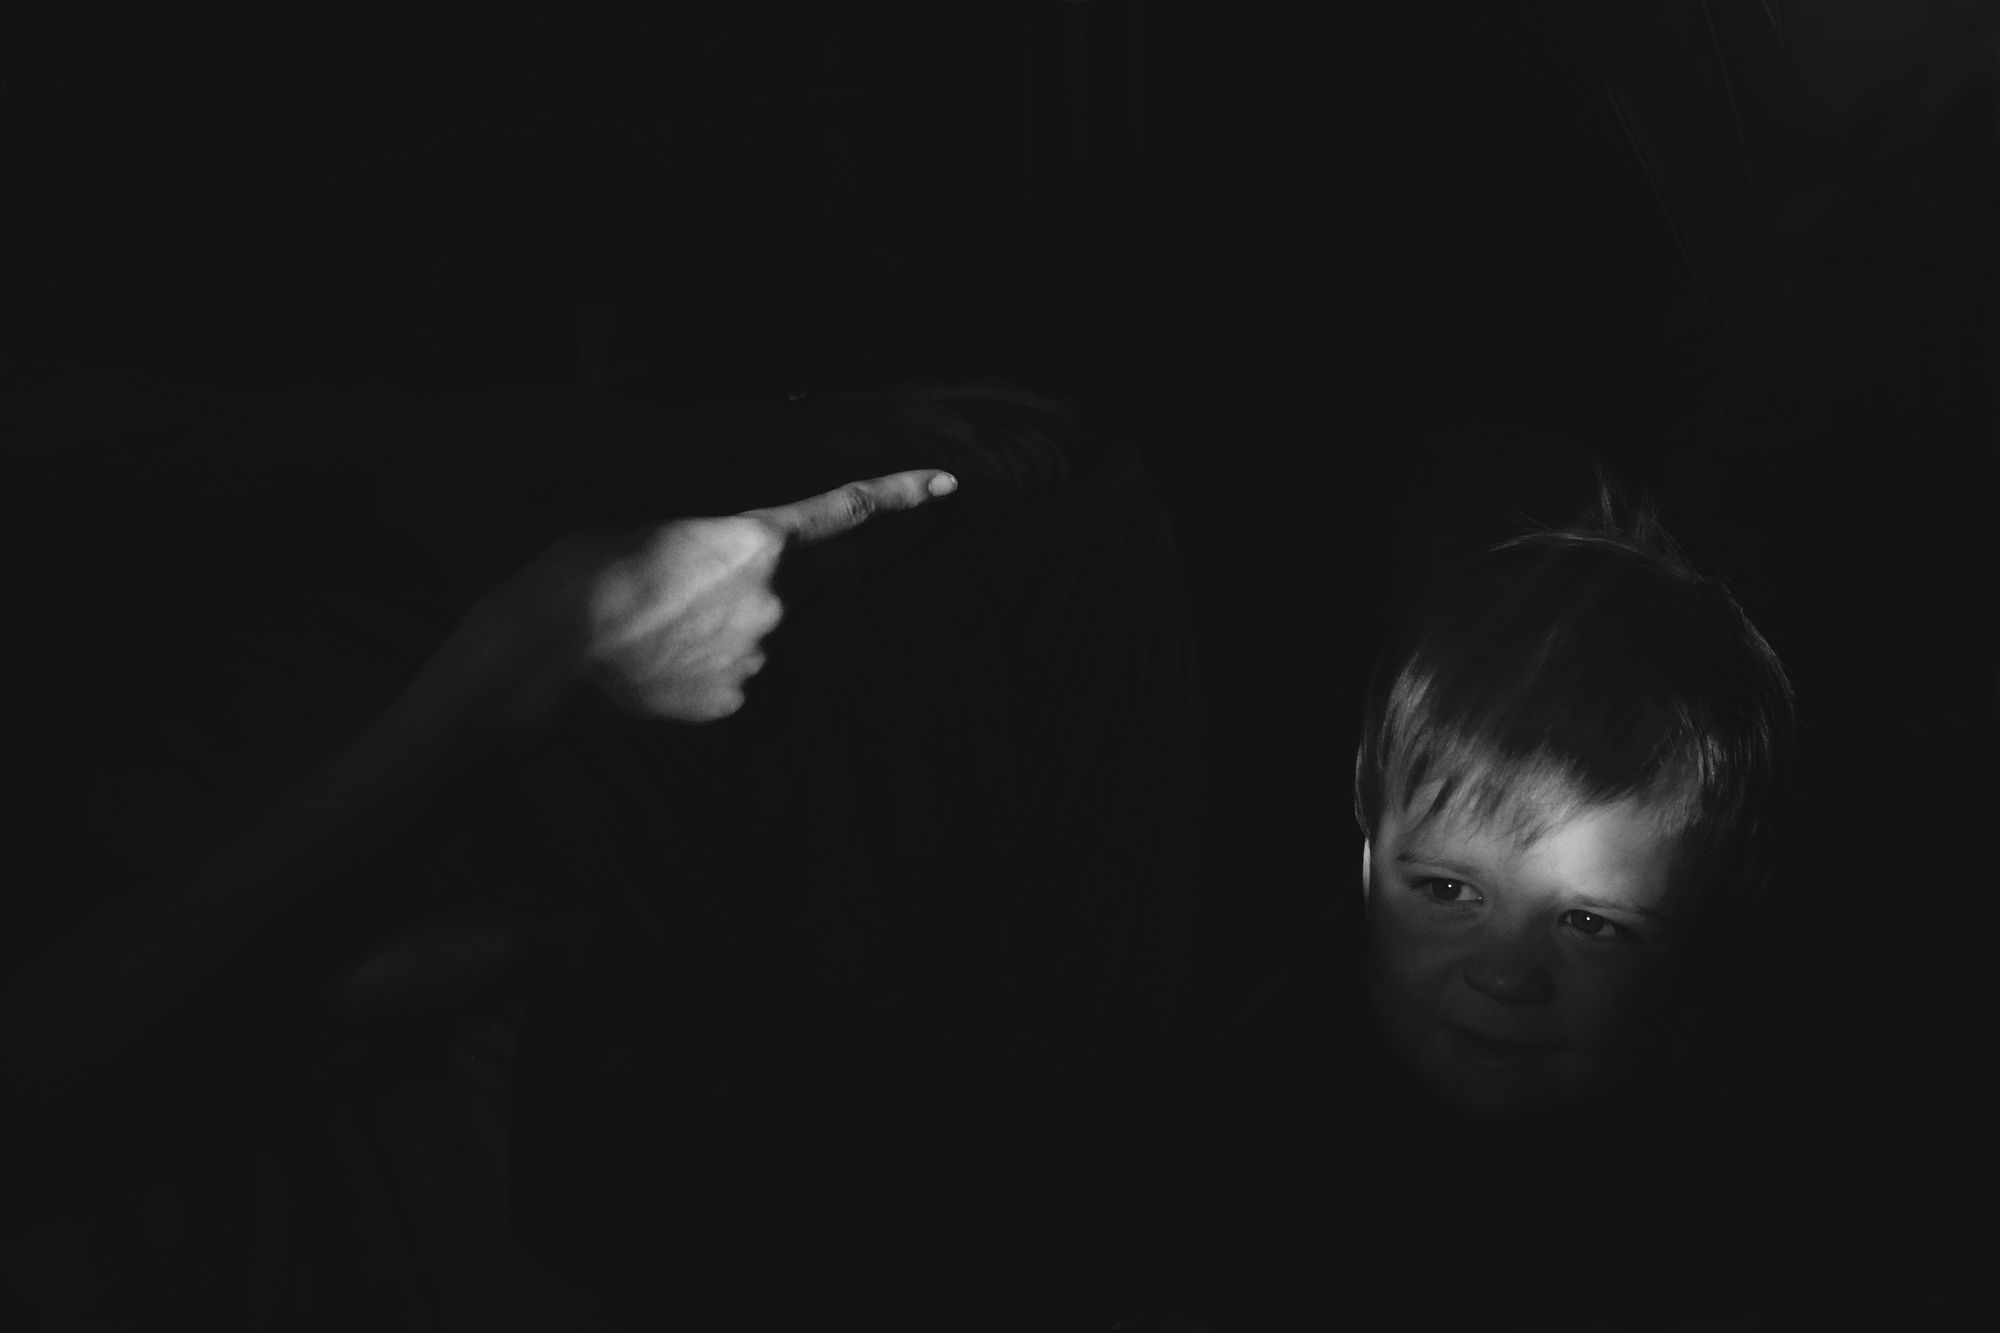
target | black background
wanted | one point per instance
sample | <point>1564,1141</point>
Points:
<point>1366,289</point>
<point>1294,258</point>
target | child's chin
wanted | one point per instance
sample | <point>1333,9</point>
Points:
<point>1504,1086</point>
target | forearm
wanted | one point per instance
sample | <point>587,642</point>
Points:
<point>666,621</point>
<point>132,967</point>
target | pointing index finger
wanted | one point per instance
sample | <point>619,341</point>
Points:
<point>847,507</point>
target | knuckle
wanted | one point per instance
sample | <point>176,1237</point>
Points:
<point>713,704</point>
<point>761,544</point>
<point>764,535</point>
<point>857,503</point>
<point>737,536</point>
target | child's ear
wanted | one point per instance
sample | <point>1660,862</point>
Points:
<point>1367,880</point>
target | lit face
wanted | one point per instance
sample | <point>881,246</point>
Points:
<point>1510,974</point>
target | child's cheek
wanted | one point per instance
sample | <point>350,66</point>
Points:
<point>1414,958</point>
<point>1418,958</point>
<point>1602,1005</point>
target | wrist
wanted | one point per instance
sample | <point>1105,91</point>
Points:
<point>515,660</point>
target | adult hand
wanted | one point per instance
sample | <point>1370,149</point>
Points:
<point>667,623</point>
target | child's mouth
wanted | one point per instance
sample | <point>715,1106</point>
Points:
<point>1481,1044</point>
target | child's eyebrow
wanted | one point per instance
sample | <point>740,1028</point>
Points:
<point>1412,855</point>
<point>1594,904</point>
<point>1425,855</point>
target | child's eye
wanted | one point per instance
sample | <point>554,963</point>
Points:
<point>1597,927</point>
<point>1447,890</point>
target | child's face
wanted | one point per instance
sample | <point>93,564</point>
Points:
<point>1510,974</point>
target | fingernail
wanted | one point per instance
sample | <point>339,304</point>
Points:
<point>943,484</point>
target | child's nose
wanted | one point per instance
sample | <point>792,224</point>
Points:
<point>1511,975</point>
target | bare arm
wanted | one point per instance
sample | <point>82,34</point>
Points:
<point>139,959</point>
<point>668,625</point>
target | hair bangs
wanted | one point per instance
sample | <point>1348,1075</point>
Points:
<point>1524,767</point>
<point>1565,671</point>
